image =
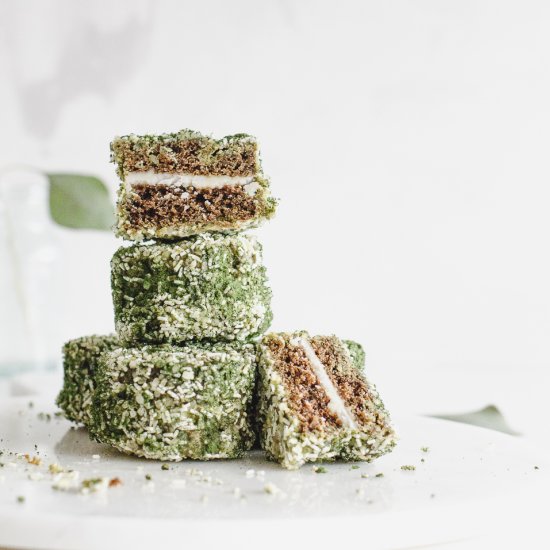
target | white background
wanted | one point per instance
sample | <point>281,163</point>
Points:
<point>408,143</point>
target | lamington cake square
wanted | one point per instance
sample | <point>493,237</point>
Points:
<point>315,404</point>
<point>176,402</point>
<point>180,184</point>
<point>210,286</point>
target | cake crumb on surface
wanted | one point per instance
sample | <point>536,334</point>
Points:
<point>272,489</point>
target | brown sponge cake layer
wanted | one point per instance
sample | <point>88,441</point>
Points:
<point>186,152</point>
<point>166,205</point>
<point>349,381</point>
<point>308,398</point>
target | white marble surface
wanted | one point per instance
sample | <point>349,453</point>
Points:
<point>407,142</point>
<point>479,476</point>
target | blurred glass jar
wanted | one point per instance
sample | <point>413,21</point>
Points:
<point>29,250</point>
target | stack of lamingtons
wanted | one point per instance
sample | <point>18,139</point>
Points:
<point>188,374</point>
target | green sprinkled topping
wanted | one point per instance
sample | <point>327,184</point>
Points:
<point>408,467</point>
<point>355,467</point>
<point>379,475</point>
<point>319,469</point>
<point>148,477</point>
<point>425,449</point>
<point>21,499</point>
<point>165,467</point>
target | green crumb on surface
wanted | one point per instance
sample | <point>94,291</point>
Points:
<point>320,469</point>
<point>379,475</point>
<point>165,467</point>
<point>425,449</point>
<point>148,477</point>
<point>355,467</point>
<point>272,489</point>
<point>422,460</point>
<point>55,468</point>
<point>536,468</point>
<point>21,499</point>
<point>408,467</point>
<point>91,482</point>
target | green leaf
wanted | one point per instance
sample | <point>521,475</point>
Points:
<point>80,202</point>
<point>489,417</point>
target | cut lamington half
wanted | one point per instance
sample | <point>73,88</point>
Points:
<point>314,403</point>
<point>181,184</point>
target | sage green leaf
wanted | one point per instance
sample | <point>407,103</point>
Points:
<point>488,417</point>
<point>80,202</point>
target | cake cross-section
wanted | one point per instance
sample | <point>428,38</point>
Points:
<point>314,402</point>
<point>181,184</point>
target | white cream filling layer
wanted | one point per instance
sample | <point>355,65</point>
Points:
<point>336,404</point>
<point>181,179</point>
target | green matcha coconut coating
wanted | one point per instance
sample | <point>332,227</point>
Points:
<point>315,404</point>
<point>211,286</point>
<point>356,352</point>
<point>173,403</point>
<point>185,183</point>
<point>80,361</point>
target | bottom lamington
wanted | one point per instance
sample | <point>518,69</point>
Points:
<point>175,403</point>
